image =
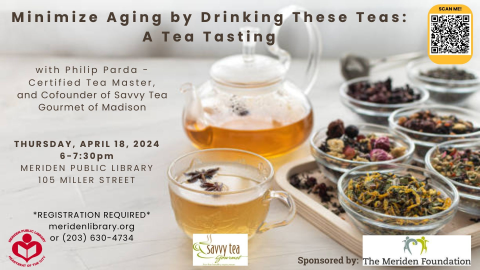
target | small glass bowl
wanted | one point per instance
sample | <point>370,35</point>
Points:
<point>371,222</point>
<point>469,195</point>
<point>333,167</point>
<point>375,112</point>
<point>424,141</point>
<point>441,90</point>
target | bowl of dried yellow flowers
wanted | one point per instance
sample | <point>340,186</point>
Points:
<point>397,199</point>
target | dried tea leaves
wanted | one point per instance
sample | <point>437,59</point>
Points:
<point>429,122</point>
<point>449,74</point>
<point>462,166</point>
<point>326,193</point>
<point>396,195</point>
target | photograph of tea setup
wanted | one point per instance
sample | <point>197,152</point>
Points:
<point>411,167</point>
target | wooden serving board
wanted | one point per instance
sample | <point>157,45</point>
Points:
<point>339,227</point>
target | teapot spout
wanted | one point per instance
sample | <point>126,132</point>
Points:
<point>193,113</point>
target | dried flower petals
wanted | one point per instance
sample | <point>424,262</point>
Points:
<point>380,155</point>
<point>352,145</point>
<point>429,122</point>
<point>396,195</point>
<point>335,145</point>
<point>349,152</point>
<point>462,166</point>
<point>398,151</point>
<point>382,92</point>
<point>382,143</point>
<point>204,176</point>
<point>215,186</point>
<point>324,192</point>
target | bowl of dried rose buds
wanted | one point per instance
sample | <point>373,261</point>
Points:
<point>429,125</point>
<point>459,162</point>
<point>397,199</point>
<point>375,99</point>
<point>447,84</point>
<point>338,148</point>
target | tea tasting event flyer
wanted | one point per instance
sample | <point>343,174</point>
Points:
<point>264,134</point>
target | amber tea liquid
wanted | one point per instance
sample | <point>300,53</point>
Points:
<point>241,213</point>
<point>264,137</point>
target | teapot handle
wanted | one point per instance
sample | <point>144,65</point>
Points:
<point>315,46</point>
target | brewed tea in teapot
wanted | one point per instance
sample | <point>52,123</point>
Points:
<point>248,104</point>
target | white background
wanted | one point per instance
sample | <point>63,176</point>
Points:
<point>439,247</point>
<point>240,240</point>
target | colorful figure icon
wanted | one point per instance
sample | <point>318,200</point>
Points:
<point>407,241</point>
<point>423,241</point>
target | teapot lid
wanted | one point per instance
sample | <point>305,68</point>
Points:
<point>248,70</point>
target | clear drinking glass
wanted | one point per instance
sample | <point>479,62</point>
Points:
<point>240,207</point>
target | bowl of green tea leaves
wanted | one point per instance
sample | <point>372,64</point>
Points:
<point>447,84</point>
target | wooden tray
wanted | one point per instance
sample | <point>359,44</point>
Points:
<point>340,228</point>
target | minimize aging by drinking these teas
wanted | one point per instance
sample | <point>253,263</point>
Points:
<point>155,19</point>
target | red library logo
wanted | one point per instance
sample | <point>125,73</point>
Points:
<point>27,248</point>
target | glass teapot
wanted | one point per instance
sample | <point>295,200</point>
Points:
<point>248,104</point>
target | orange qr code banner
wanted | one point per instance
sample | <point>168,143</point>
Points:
<point>450,29</point>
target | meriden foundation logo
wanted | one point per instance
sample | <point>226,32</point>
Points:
<point>417,250</point>
<point>420,241</point>
<point>220,249</point>
<point>26,248</point>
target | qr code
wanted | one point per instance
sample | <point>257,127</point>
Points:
<point>450,34</point>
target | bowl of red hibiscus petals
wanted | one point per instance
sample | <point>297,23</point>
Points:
<point>459,162</point>
<point>375,99</point>
<point>429,125</point>
<point>338,148</point>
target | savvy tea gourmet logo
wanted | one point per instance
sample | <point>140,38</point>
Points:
<point>220,249</point>
<point>27,248</point>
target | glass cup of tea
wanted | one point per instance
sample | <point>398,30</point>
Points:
<point>224,191</point>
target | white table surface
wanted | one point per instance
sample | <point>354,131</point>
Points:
<point>159,243</point>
